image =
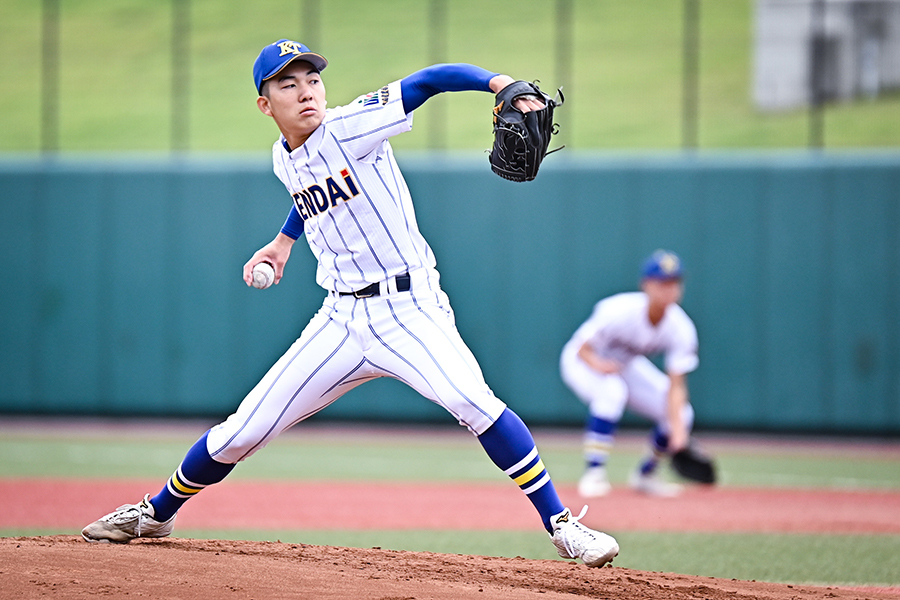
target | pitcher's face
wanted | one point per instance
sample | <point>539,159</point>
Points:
<point>295,98</point>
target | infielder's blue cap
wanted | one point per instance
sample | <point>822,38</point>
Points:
<point>274,57</point>
<point>662,264</point>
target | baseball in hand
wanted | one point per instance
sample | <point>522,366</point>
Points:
<point>263,275</point>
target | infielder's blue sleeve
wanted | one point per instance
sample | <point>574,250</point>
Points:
<point>456,77</point>
<point>293,225</point>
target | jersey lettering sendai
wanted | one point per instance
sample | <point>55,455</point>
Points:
<point>619,329</point>
<point>357,213</point>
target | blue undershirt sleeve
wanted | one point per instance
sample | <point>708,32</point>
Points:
<point>455,77</point>
<point>293,225</point>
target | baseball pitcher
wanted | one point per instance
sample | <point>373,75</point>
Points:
<point>384,313</point>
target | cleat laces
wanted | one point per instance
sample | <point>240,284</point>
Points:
<point>125,515</point>
<point>577,536</point>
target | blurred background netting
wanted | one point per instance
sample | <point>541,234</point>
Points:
<point>136,75</point>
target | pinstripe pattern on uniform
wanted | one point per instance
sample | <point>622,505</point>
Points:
<point>435,365</point>
<point>409,217</point>
<point>341,236</point>
<point>468,360</point>
<point>399,194</point>
<point>349,384</point>
<point>275,380</point>
<point>318,242</point>
<point>362,231</point>
<point>373,235</point>
<point>345,381</point>
<point>365,111</point>
<point>359,222</point>
<point>395,194</point>
<point>434,396</point>
<point>376,130</point>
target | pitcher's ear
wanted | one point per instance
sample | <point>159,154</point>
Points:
<point>263,104</point>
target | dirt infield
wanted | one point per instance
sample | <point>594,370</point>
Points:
<point>66,567</point>
<point>44,503</point>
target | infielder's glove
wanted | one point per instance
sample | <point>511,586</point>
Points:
<point>521,139</point>
<point>692,464</point>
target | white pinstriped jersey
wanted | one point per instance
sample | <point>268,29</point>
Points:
<point>357,211</point>
<point>619,329</point>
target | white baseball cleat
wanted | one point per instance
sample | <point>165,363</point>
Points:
<point>652,485</point>
<point>129,521</point>
<point>594,483</point>
<point>574,540</point>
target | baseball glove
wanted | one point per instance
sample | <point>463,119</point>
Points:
<point>692,464</point>
<point>521,139</point>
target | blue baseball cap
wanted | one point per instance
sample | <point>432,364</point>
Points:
<point>274,57</point>
<point>662,264</point>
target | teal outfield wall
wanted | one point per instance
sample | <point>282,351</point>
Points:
<point>123,291</point>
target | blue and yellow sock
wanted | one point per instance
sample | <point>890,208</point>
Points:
<point>196,471</point>
<point>598,441</point>
<point>509,444</point>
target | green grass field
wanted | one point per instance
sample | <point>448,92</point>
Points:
<point>324,454</point>
<point>624,89</point>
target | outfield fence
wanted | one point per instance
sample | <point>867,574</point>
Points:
<point>125,293</point>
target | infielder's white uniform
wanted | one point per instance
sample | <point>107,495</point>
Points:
<point>619,329</point>
<point>361,226</point>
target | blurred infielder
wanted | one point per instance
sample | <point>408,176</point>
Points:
<point>384,315</point>
<point>605,364</point>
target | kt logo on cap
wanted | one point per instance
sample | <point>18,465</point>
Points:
<point>289,47</point>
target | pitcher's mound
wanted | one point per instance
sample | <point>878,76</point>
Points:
<point>67,567</point>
